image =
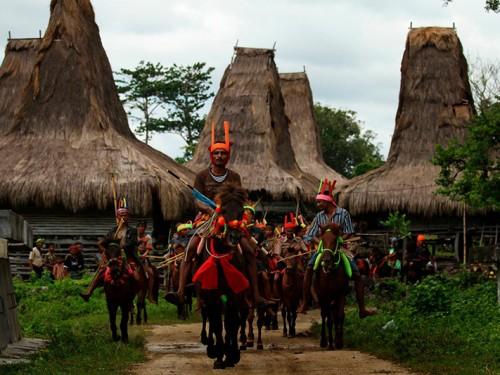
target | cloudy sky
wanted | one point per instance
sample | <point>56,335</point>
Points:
<point>351,49</point>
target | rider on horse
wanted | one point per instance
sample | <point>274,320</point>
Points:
<point>123,235</point>
<point>330,212</point>
<point>209,182</point>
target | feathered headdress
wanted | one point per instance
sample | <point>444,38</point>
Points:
<point>290,221</point>
<point>226,146</point>
<point>325,191</point>
<point>122,206</point>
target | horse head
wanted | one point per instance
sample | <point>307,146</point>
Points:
<point>330,234</point>
<point>230,223</point>
<point>115,262</point>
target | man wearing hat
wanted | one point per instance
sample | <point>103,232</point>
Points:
<point>330,212</point>
<point>36,259</point>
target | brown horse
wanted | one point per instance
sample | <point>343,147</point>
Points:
<point>331,284</point>
<point>141,292</point>
<point>120,288</point>
<point>291,291</point>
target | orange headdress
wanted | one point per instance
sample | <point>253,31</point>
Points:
<point>226,146</point>
<point>290,221</point>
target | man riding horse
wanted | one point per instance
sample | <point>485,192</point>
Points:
<point>126,237</point>
<point>209,182</point>
<point>330,212</point>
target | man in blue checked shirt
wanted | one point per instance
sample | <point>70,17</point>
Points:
<point>331,213</point>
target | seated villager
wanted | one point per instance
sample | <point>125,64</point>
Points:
<point>123,235</point>
<point>74,262</point>
<point>331,213</point>
<point>49,259</point>
<point>209,182</point>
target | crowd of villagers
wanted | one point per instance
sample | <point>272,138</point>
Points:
<point>272,245</point>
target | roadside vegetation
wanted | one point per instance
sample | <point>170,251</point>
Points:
<point>78,332</point>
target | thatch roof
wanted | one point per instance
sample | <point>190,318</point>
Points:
<point>435,104</point>
<point>250,98</point>
<point>69,131</point>
<point>304,132</point>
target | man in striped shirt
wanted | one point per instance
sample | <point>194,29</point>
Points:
<point>331,213</point>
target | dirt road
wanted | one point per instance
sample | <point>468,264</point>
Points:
<point>175,349</point>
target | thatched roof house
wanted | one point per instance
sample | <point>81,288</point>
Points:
<point>250,98</point>
<point>66,131</point>
<point>435,104</point>
<point>304,132</point>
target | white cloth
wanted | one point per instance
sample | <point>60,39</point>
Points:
<point>36,257</point>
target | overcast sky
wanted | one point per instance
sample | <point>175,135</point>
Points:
<point>351,49</point>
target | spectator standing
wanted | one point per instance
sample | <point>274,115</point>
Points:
<point>36,259</point>
<point>49,259</point>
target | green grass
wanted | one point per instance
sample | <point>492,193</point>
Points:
<point>80,338</point>
<point>444,325</point>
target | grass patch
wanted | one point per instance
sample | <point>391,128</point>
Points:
<point>443,325</point>
<point>79,334</point>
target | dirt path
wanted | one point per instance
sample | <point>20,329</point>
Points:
<point>175,349</point>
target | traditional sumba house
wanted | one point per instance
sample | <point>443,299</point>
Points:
<point>250,98</point>
<point>64,135</point>
<point>304,132</point>
<point>435,104</point>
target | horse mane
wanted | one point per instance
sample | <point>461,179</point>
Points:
<point>334,228</point>
<point>231,199</point>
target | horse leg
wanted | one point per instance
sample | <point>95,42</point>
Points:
<point>243,327</point>
<point>283,315</point>
<point>251,336</point>
<point>125,308</point>
<point>140,308</point>
<point>132,310</point>
<point>261,316</point>
<point>232,321</point>
<point>329,321</point>
<point>339,323</point>
<point>204,317</point>
<point>145,311</point>
<point>322,341</point>
<point>112,309</point>
<point>215,321</point>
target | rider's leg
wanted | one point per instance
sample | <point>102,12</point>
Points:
<point>360,292</point>
<point>306,293</point>
<point>97,280</point>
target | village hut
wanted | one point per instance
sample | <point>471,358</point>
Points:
<point>435,105</point>
<point>250,98</point>
<point>65,135</point>
<point>304,132</point>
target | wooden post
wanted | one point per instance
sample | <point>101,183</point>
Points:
<point>465,237</point>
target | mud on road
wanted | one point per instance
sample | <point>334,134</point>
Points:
<point>176,349</point>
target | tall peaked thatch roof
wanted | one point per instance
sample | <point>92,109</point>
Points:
<point>435,104</point>
<point>15,73</point>
<point>250,98</point>
<point>304,132</point>
<point>69,132</point>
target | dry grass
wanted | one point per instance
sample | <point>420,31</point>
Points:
<point>66,131</point>
<point>435,104</point>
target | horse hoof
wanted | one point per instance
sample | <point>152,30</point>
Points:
<point>204,339</point>
<point>322,343</point>
<point>211,351</point>
<point>285,334</point>
<point>250,344</point>
<point>330,347</point>
<point>243,347</point>
<point>116,338</point>
<point>339,345</point>
<point>291,336</point>
<point>125,340</point>
<point>219,365</point>
<point>260,347</point>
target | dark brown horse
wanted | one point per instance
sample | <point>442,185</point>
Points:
<point>332,283</point>
<point>141,292</point>
<point>291,291</point>
<point>120,290</point>
<point>221,283</point>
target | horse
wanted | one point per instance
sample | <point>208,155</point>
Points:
<point>291,291</point>
<point>221,284</point>
<point>332,286</point>
<point>141,292</point>
<point>119,289</point>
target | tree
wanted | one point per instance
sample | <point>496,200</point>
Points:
<point>192,85</point>
<point>493,5</point>
<point>142,91</point>
<point>345,147</point>
<point>484,78</point>
<point>166,99</point>
<point>470,172</point>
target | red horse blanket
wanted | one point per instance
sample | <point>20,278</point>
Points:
<point>208,273</point>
